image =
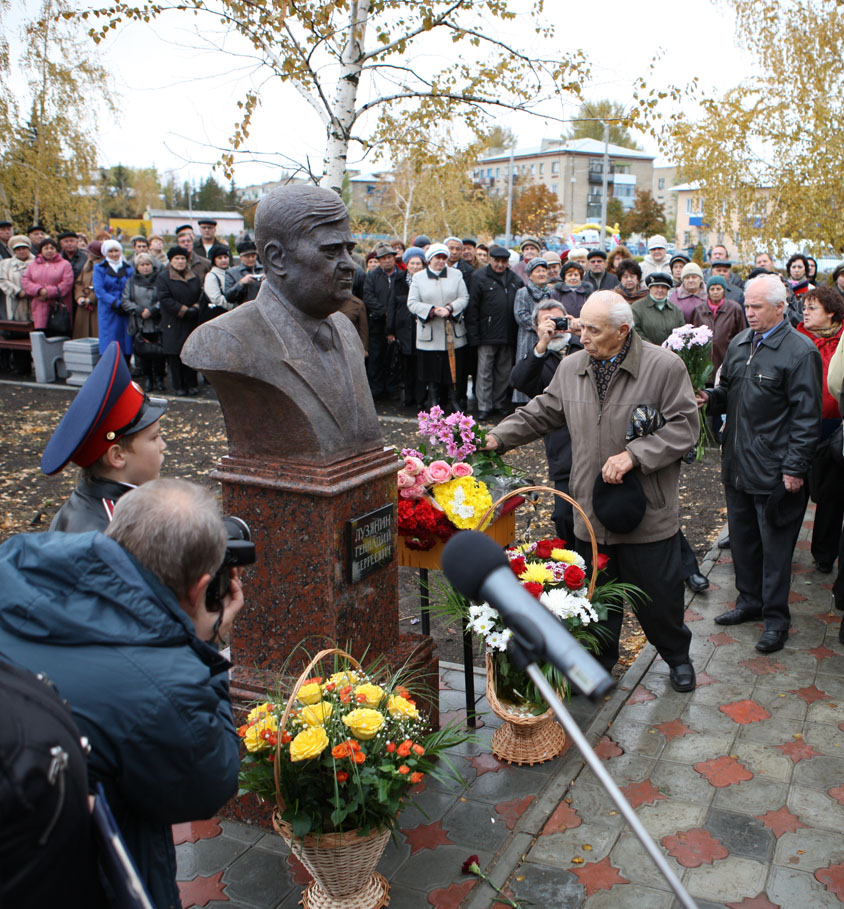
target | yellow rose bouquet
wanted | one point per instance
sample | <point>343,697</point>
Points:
<point>345,748</point>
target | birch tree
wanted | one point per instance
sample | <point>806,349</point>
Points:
<point>370,67</point>
<point>769,155</point>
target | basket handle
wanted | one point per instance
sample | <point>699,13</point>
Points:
<point>562,495</point>
<point>286,715</point>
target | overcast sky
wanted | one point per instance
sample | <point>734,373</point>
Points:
<point>178,87</point>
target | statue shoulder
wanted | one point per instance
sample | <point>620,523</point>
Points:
<point>227,342</point>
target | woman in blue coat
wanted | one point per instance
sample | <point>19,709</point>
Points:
<point>110,277</point>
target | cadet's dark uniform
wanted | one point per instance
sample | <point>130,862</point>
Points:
<point>108,407</point>
<point>90,506</point>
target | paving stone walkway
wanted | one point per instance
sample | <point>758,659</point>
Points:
<point>740,782</point>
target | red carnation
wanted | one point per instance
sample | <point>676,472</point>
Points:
<point>533,588</point>
<point>602,561</point>
<point>518,565</point>
<point>574,577</point>
<point>543,549</point>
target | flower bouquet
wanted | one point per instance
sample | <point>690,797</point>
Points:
<point>451,490</point>
<point>694,347</point>
<point>339,753</point>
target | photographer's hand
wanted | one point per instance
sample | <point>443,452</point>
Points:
<point>232,604</point>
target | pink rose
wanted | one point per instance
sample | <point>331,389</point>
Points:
<point>461,469</point>
<point>406,480</point>
<point>413,492</point>
<point>438,472</point>
<point>413,466</point>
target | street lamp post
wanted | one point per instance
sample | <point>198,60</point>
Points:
<point>606,169</point>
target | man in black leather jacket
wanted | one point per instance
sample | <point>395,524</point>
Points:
<point>770,388</point>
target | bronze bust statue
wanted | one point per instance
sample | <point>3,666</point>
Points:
<point>289,370</point>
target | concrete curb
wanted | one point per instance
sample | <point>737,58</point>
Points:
<point>531,823</point>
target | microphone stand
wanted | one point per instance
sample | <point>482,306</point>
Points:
<point>524,658</point>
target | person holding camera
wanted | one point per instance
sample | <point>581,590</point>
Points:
<point>246,276</point>
<point>140,302</point>
<point>531,375</point>
<point>110,277</point>
<point>145,680</point>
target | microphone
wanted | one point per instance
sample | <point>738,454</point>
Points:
<point>478,568</point>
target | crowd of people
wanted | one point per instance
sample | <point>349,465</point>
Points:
<point>148,300</point>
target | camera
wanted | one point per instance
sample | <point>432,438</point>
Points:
<point>240,550</point>
<point>561,323</point>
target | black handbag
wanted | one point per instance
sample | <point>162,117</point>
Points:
<point>58,322</point>
<point>148,346</point>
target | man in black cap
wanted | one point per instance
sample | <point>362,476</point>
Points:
<point>625,478</point>
<point>469,247</point>
<point>724,269</point>
<point>598,275</point>
<point>770,389</point>
<point>36,234</point>
<point>492,329</point>
<point>379,294</point>
<point>5,236</point>
<point>455,258</point>
<point>208,236</point>
<point>248,275</point>
<point>111,430</point>
<point>69,243</point>
<point>198,264</point>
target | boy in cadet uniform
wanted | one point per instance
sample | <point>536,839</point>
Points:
<point>111,430</point>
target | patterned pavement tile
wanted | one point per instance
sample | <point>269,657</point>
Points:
<point>745,711</point>
<point>704,679</point>
<point>832,685</point>
<point>826,712</point>
<point>818,807</point>
<point>822,652</point>
<point>450,897</point>
<point>607,748</point>
<point>741,834</point>
<point>788,887</point>
<point>487,763</point>
<point>627,768</point>
<point>832,877</point>
<point>426,836</point>
<point>817,773</point>
<point>723,771</point>
<point>643,793</point>
<point>837,793</point>
<point>692,748</point>
<point>828,618</point>
<point>630,857</point>
<point>781,821</point>
<point>732,878</point>
<point>760,901</point>
<point>798,750</point>
<point>694,847</point>
<point>680,781</point>
<point>591,802</point>
<point>708,718</point>
<point>194,831</point>
<point>779,703</point>
<point>810,694</point>
<point>575,846</point>
<point>563,818</point>
<point>202,890</point>
<point>753,797</point>
<point>674,729</point>
<point>721,639</point>
<point>763,665</point>
<point>596,876</point>
<point>544,885</point>
<point>511,811</point>
<point>666,817</point>
<point>640,695</point>
<point>720,693</point>
<point>470,822</point>
<point>637,738</point>
<point>808,850</point>
<point>630,895</point>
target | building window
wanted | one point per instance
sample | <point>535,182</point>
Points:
<point>596,166</point>
<point>688,206</point>
<point>532,169</point>
<point>554,188</point>
<point>617,168</point>
<point>497,172</point>
<point>524,169</point>
<point>541,168</point>
<point>661,183</point>
<point>687,238</point>
<point>489,171</point>
<point>555,167</point>
<point>593,211</point>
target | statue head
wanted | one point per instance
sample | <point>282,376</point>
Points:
<point>303,237</point>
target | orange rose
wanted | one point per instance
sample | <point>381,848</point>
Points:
<point>416,777</point>
<point>391,747</point>
<point>404,748</point>
<point>342,776</point>
<point>404,769</point>
<point>343,750</point>
<point>418,749</point>
<point>358,757</point>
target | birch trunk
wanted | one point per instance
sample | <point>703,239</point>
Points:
<point>343,113</point>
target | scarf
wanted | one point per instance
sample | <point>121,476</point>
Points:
<point>830,332</point>
<point>537,293</point>
<point>604,370</point>
<point>116,266</point>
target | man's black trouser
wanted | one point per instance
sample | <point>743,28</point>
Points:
<point>762,556</point>
<point>656,569</point>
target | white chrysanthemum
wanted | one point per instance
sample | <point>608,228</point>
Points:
<point>566,605</point>
<point>498,639</point>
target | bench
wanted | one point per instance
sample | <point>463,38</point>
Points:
<point>15,343</point>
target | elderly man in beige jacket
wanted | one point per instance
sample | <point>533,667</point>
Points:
<point>595,393</point>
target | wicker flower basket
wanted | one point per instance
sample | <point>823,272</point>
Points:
<point>530,739</point>
<point>342,864</point>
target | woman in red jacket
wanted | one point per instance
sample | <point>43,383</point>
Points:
<point>823,314</point>
<point>47,279</point>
